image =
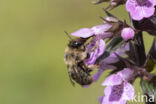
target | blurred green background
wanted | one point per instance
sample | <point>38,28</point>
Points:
<point>32,43</point>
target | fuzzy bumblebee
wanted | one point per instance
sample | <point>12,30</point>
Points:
<point>75,53</point>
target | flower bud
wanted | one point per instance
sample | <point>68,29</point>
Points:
<point>127,33</point>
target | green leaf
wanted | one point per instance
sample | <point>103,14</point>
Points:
<point>111,47</point>
<point>149,90</point>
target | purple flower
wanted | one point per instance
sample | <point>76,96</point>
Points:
<point>108,62</point>
<point>118,90</point>
<point>100,44</point>
<point>140,9</point>
<point>127,33</point>
<point>95,30</point>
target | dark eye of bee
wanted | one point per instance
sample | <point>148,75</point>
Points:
<point>75,44</point>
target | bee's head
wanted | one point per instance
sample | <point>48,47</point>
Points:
<point>75,44</point>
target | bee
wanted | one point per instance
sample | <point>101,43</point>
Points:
<point>75,53</point>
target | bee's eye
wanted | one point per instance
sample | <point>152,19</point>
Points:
<point>75,43</point>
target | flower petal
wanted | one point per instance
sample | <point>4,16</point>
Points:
<point>101,47</point>
<point>107,90</point>
<point>92,44</point>
<point>129,92</point>
<point>111,80</point>
<point>116,93</point>
<point>100,99</point>
<point>126,74</point>
<point>98,51</point>
<point>83,33</point>
<point>109,98</point>
<point>148,12</point>
<point>102,68</point>
<point>140,9</point>
<point>101,29</point>
<point>92,58</point>
<point>130,5</point>
<point>110,59</point>
<point>97,75</point>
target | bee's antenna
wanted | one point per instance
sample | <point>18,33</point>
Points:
<point>68,35</point>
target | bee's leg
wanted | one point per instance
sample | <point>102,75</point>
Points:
<point>93,67</point>
<point>83,66</point>
<point>87,68</point>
